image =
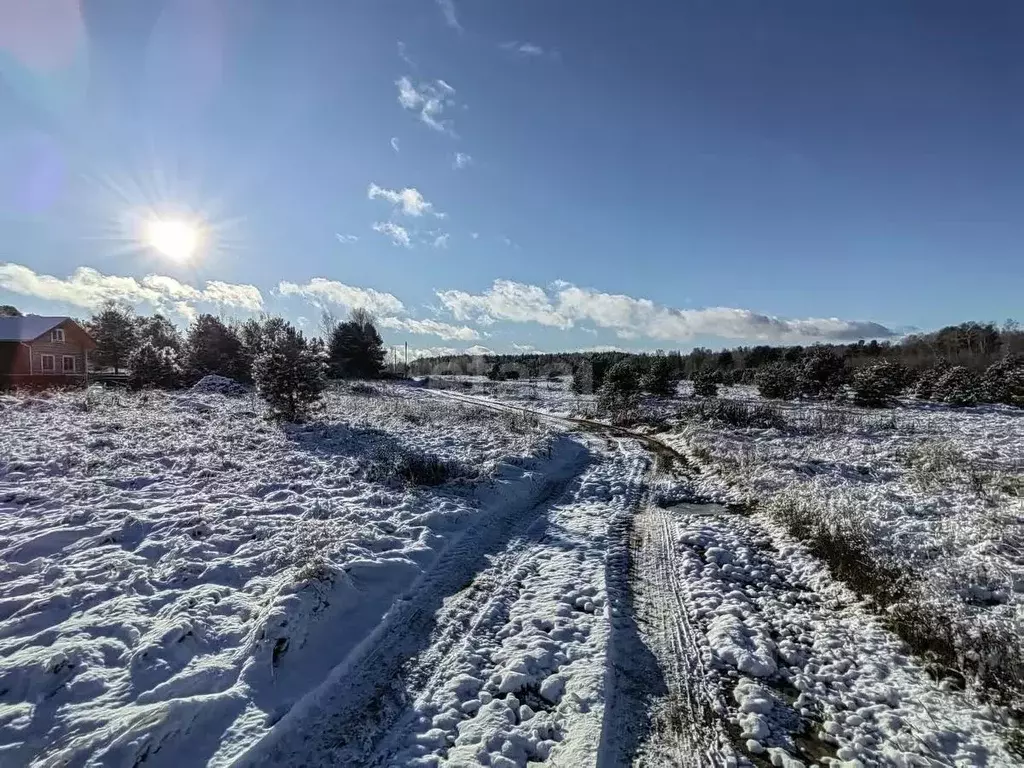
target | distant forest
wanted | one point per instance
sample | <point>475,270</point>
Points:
<point>972,345</point>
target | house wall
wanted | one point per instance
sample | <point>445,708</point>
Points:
<point>13,358</point>
<point>70,346</point>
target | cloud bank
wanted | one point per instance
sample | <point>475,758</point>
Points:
<point>88,288</point>
<point>564,305</point>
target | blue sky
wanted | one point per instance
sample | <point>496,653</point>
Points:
<point>493,173</point>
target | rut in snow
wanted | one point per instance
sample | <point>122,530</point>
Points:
<point>499,655</point>
<point>685,730</point>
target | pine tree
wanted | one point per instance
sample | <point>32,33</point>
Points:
<point>959,386</point>
<point>114,331</point>
<point>159,331</point>
<point>290,373</point>
<point>876,386</point>
<point>704,385</point>
<point>777,381</point>
<point>153,366</point>
<point>822,373</point>
<point>620,390</point>
<point>1004,381</point>
<point>356,350</point>
<point>659,378</point>
<point>214,348</point>
<point>582,378</point>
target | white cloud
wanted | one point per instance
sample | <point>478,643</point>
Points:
<point>429,100</point>
<point>505,300</point>
<point>442,330</point>
<point>394,143</point>
<point>462,160</point>
<point>88,288</point>
<point>320,290</point>
<point>524,48</point>
<point>478,350</point>
<point>474,235</point>
<point>346,239</point>
<point>523,347</point>
<point>399,235</point>
<point>450,16</point>
<point>629,317</point>
<point>410,199</point>
<point>232,295</point>
<point>441,241</point>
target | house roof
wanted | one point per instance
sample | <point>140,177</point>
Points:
<point>28,327</point>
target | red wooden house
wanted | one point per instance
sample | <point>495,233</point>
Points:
<point>36,350</point>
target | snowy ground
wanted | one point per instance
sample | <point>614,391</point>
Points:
<point>177,571</point>
<point>931,497</point>
<point>186,583</point>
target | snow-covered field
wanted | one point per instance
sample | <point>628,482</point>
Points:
<point>415,577</point>
<point>177,572</point>
<point>929,499</point>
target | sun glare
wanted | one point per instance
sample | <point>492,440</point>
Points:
<point>175,239</point>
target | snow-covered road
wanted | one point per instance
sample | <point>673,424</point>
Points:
<point>498,658</point>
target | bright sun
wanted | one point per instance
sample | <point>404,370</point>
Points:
<point>173,238</point>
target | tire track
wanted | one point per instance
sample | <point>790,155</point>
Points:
<point>345,720</point>
<point>685,730</point>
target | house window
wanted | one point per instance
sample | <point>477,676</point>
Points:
<point>69,363</point>
<point>57,335</point>
<point>47,363</point>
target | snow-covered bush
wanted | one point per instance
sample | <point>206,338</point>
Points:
<point>289,374</point>
<point>878,385</point>
<point>777,382</point>
<point>1004,381</point>
<point>822,373</point>
<point>153,366</point>
<point>660,378</point>
<point>959,386</point>
<point>620,391</point>
<point>734,413</point>
<point>924,388</point>
<point>704,385</point>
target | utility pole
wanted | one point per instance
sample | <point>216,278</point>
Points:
<point>407,358</point>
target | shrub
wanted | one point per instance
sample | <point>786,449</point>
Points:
<point>704,385</point>
<point>413,467</point>
<point>1004,382</point>
<point>959,386</point>
<point>822,373</point>
<point>737,414</point>
<point>660,378</point>
<point>290,374</point>
<point>777,382</point>
<point>878,385</point>
<point>153,366</point>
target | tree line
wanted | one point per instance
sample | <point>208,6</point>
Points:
<point>962,364</point>
<point>287,368</point>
